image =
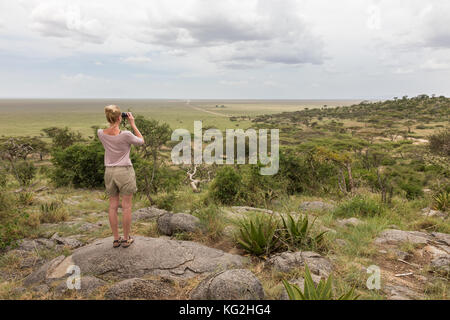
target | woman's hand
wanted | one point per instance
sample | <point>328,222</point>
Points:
<point>130,118</point>
<point>135,129</point>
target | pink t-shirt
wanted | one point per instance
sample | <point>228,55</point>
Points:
<point>117,148</point>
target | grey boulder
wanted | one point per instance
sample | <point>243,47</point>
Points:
<point>140,289</point>
<point>70,242</point>
<point>350,222</point>
<point>236,284</point>
<point>288,261</point>
<point>441,264</point>
<point>394,236</point>
<point>147,214</point>
<point>88,285</point>
<point>315,206</point>
<point>171,223</point>
<point>147,256</point>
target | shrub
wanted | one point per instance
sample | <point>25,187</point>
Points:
<point>14,224</point>
<point>293,169</point>
<point>25,172</point>
<point>165,179</point>
<point>166,201</point>
<point>297,234</point>
<point>44,170</point>
<point>323,291</point>
<point>257,190</point>
<point>62,137</point>
<point>80,165</point>
<point>3,179</point>
<point>359,206</point>
<point>440,143</point>
<point>5,202</point>
<point>53,212</point>
<point>412,190</point>
<point>226,185</point>
<point>257,235</point>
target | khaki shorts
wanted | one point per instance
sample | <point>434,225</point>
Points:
<point>120,180</point>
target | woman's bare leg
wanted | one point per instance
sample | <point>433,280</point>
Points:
<point>113,221</point>
<point>126,210</point>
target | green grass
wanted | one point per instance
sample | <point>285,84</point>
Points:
<point>24,117</point>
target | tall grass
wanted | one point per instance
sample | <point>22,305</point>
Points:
<point>53,212</point>
<point>360,206</point>
<point>212,221</point>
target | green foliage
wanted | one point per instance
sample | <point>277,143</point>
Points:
<point>166,201</point>
<point>323,291</point>
<point>3,179</point>
<point>359,206</point>
<point>149,172</point>
<point>257,235</point>
<point>14,223</point>
<point>25,198</point>
<point>62,137</point>
<point>80,165</point>
<point>298,234</point>
<point>155,136</point>
<point>53,212</point>
<point>440,143</point>
<point>441,200</point>
<point>412,189</point>
<point>25,172</point>
<point>165,179</point>
<point>258,190</point>
<point>294,171</point>
<point>226,185</point>
<point>212,220</point>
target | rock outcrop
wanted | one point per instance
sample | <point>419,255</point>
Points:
<point>236,284</point>
<point>140,289</point>
<point>147,214</point>
<point>287,261</point>
<point>350,222</point>
<point>316,206</point>
<point>170,223</point>
<point>436,244</point>
<point>147,256</point>
<point>394,236</point>
<point>88,285</point>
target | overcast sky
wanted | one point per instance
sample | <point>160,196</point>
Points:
<point>279,49</point>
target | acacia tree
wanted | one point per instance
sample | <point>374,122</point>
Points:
<point>62,137</point>
<point>343,160</point>
<point>155,135</point>
<point>12,150</point>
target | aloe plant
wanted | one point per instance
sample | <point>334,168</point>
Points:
<point>441,201</point>
<point>323,291</point>
<point>297,234</point>
<point>258,235</point>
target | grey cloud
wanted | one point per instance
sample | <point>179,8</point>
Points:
<point>270,33</point>
<point>57,20</point>
<point>436,29</point>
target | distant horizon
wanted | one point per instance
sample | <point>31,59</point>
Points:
<point>211,99</point>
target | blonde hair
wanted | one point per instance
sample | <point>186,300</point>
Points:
<point>112,113</point>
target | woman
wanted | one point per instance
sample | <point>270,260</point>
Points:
<point>119,173</point>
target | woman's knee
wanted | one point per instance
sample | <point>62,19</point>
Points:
<point>114,202</point>
<point>127,202</point>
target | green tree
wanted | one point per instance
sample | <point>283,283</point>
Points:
<point>62,137</point>
<point>155,136</point>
